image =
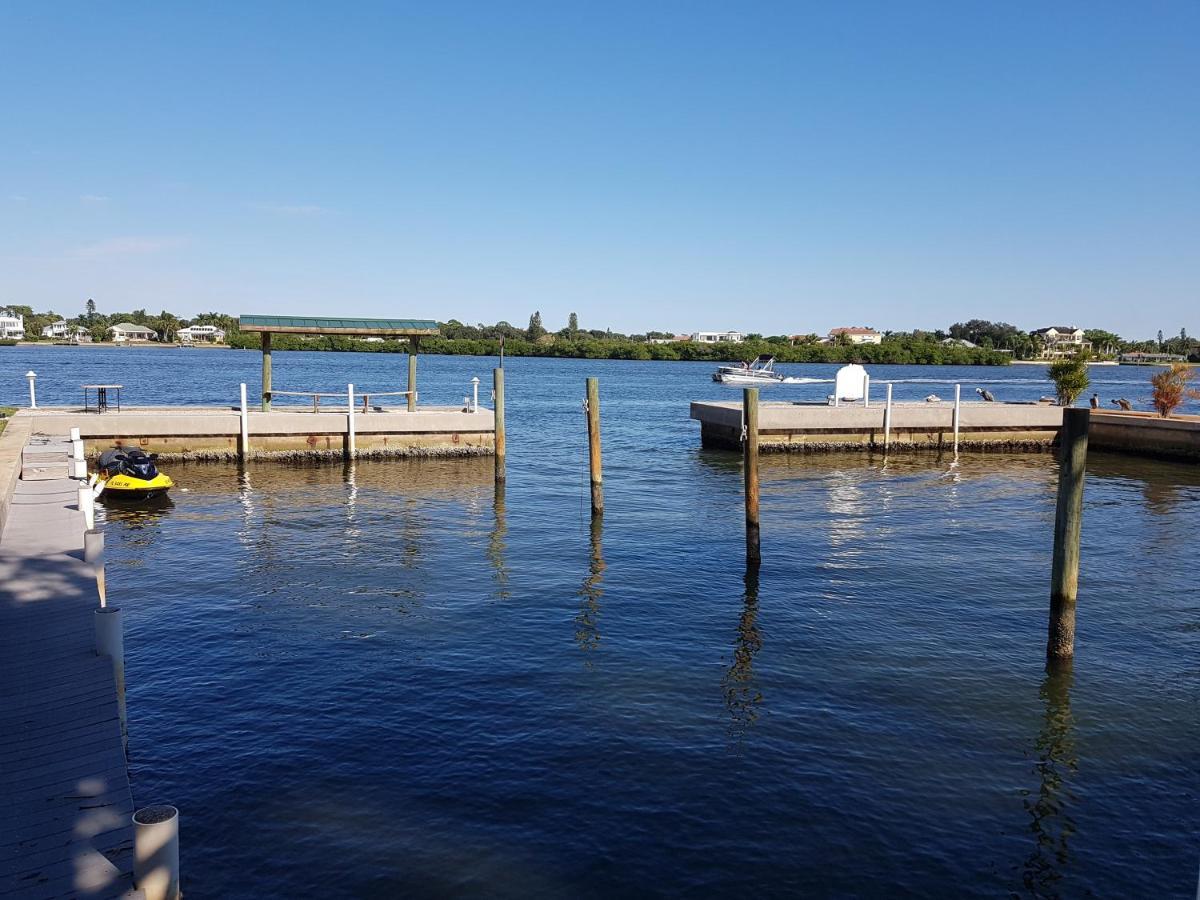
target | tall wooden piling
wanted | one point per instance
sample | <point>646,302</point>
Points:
<point>750,470</point>
<point>1064,575</point>
<point>593,423</point>
<point>266,371</point>
<point>498,390</point>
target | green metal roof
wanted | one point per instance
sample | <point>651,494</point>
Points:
<point>302,325</point>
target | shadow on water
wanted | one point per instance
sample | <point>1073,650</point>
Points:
<point>587,620</point>
<point>496,545</point>
<point>1056,766</point>
<point>742,695</point>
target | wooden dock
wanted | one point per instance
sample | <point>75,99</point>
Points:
<point>65,825</point>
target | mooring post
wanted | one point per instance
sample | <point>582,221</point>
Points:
<point>93,555</point>
<point>110,642</point>
<point>87,506</point>
<point>957,413</point>
<point>887,419</point>
<point>593,423</point>
<point>412,375</point>
<point>498,390</point>
<point>32,376</point>
<point>244,449</point>
<point>1064,574</point>
<point>156,852</point>
<point>351,450</point>
<point>266,371</point>
<point>750,470</point>
<point>475,394</point>
<point>866,391</point>
<point>78,463</point>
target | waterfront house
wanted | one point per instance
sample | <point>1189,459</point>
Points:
<point>207,333</point>
<point>12,326</point>
<point>128,333</point>
<point>1060,341</point>
<point>958,342</point>
<point>64,331</point>
<point>855,335</point>
<point>718,337</point>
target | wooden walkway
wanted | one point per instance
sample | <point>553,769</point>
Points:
<point>65,827</point>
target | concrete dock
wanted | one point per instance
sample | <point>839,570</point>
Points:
<point>65,825</point>
<point>812,428</point>
<point>193,432</point>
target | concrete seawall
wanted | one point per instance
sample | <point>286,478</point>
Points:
<point>213,433</point>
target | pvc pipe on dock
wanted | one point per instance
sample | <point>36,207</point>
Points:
<point>156,852</point>
<point>87,506</point>
<point>110,642</point>
<point>93,555</point>
<point>887,419</point>
<point>32,376</point>
<point>957,413</point>
<point>475,388</point>
<point>244,449</point>
<point>351,451</point>
<point>866,391</point>
<point>79,469</point>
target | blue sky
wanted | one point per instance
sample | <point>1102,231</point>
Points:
<point>680,166</point>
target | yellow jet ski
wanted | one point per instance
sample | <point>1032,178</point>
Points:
<point>132,474</point>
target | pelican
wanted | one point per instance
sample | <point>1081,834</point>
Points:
<point>1095,401</point>
<point>1124,404</point>
<point>933,398</point>
<point>986,395</point>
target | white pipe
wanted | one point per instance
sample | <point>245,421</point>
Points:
<point>957,413</point>
<point>32,376</point>
<point>79,469</point>
<point>866,391</point>
<point>75,435</point>
<point>87,506</point>
<point>244,450</point>
<point>156,852</point>
<point>475,386</point>
<point>93,555</point>
<point>350,422</point>
<point>110,642</point>
<point>887,419</point>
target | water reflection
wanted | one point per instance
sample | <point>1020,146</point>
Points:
<point>496,544</point>
<point>587,621</point>
<point>140,520</point>
<point>742,695</point>
<point>1056,766</point>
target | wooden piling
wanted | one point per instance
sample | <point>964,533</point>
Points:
<point>498,389</point>
<point>266,371</point>
<point>593,422</point>
<point>412,375</point>
<point>1064,576</point>
<point>750,470</point>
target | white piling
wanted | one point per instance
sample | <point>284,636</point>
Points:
<point>93,555</point>
<point>475,388</point>
<point>87,506</point>
<point>110,642</point>
<point>866,391</point>
<point>79,469</point>
<point>957,413</point>
<point>887,419</point>
<point>156,852</point>
<point>350,439</point>
<point>244,450</point>
<point>32,376</point>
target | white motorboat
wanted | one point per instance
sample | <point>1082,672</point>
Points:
<point>759,371</point>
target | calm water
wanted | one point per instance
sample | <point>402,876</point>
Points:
<point>386,681</point>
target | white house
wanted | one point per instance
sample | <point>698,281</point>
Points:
<point>718,337</point>
<point>12,327</point>
<point>62,331</point>
<point>193,333</point>
<point>856,335</point>
<point>128,333</point>
<point>1059,341</point>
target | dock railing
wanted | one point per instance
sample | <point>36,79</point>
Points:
<point>887,408</point>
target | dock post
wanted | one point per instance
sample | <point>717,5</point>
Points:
<point>351,450</point>
<point>498,390</point>
<point>866,391</point>
<point>475,394</point>
<point>1064,576</point>
<point>750,470</point>
<point>412,375</point>
<point>593,422</point>
<point>32,376</point>
<point>87,506</point>
<point>110,642</point>
<point>957,413</point>
<point>93,555</point>
<point>244,449</point>
<point>266,371</point>
<point>156,852</point>
<point>887,419</point>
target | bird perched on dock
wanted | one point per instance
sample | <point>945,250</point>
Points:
<point>986,395</point>
<point>1095,401</point>
<point>1124,404</point>
<point>933,398</point>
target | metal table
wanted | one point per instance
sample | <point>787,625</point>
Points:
<point>101,396</point>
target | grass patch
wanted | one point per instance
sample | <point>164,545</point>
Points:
<point>5,412</point>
